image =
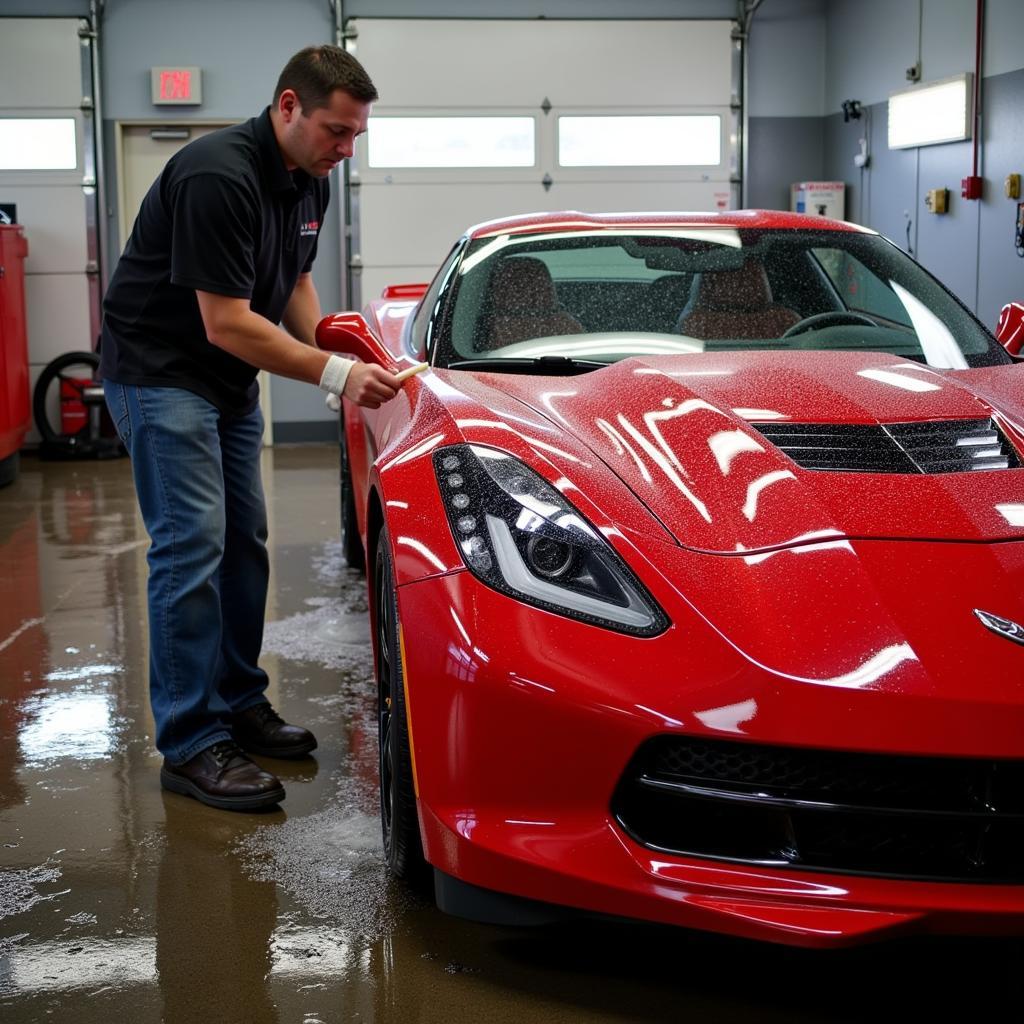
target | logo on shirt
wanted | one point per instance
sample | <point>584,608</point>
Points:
<point>311,227</point>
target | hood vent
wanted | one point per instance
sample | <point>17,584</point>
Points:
<point>950,446</point>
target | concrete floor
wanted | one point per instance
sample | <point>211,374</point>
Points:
<point>121,903</point>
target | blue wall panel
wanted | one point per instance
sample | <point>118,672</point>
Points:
<point>1000,269</point>
<point>782,150</point>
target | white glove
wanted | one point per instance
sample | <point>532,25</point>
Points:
<point>333,379</point>
<point>333,398</point>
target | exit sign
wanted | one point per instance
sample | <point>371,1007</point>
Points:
<point>177,85</point>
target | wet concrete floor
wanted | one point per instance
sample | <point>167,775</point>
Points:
<point>121,903</point>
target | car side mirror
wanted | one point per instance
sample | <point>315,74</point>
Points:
<point>350,335</point>
<point>1010,329</point>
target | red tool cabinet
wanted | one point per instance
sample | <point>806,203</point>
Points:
<point>15,410</point>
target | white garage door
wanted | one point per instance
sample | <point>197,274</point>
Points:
<point>484,119</point>
<point>47,172</point>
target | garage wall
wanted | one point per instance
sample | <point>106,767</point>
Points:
<point>786,86</point>
<point>869,45</point>
<point>806,56</point>
<point>241,48</point>
<point>243,43</point>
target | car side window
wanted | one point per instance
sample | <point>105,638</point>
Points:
<point>859,288</point>
<point>425,319</point>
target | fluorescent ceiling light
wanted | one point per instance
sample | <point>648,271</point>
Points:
<point>929,114</point>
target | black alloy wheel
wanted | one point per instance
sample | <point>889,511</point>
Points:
<point>403,849</point>
<point>351,545</point>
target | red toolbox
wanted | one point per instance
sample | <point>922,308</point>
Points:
<point>15,409</point>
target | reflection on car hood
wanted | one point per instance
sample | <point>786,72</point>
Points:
<point>681,433</point>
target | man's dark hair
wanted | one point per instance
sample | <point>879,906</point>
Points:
<point>315,72</point>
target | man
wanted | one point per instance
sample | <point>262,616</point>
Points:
<point>221,254</point>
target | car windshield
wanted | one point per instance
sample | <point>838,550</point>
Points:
<point>601,296</point>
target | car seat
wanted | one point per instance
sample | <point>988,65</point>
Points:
<point>734,304</point>
<point>663,301</point>
<point>523,305</point>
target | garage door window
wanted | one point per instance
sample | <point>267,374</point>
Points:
<point>451,142</point>
<point>38,144</point>
<point>669,140</point>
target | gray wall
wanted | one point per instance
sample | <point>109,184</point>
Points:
<point>869,45</point>
<point>786,89</point>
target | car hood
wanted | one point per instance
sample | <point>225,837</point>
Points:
<point>682,434</point>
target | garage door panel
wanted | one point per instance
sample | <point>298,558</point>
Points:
<point>441,213</point>
<point>58,315</point>
<point>417,225</point>
<point>612,197</point>
<point>55,226</point>
<point>40,58</point>
<point>569,62</point>
<point>405,218</point>
<point>375,279</point>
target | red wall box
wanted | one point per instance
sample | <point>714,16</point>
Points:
<point>15,411</point>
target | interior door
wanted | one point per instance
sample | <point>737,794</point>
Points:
<point>143,151</point>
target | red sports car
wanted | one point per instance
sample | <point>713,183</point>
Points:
<point>696,561</point>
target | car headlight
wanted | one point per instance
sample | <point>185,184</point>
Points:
<point>520,536</point>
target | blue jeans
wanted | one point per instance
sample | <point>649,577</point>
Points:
<point>197,477</point>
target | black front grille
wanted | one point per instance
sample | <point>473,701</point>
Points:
<point>947,446</point>
<point>943,819</point>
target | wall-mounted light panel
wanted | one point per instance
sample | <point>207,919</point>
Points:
<point>929,114</point>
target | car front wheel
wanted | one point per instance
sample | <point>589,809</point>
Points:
<point>403,850</point>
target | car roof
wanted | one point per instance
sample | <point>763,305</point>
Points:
<point>574,220</point>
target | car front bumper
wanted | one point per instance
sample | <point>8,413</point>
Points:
<point>523,723</point>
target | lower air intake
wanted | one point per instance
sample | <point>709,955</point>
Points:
<point>941,819</point>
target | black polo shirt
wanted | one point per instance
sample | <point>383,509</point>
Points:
<point>225,216</point>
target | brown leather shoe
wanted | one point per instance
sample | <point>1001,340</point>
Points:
<point>261,730</point>
<point>222,776</point>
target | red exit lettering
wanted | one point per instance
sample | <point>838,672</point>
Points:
<point>175,85</point>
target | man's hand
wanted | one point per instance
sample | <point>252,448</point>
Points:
<point>371,385</point>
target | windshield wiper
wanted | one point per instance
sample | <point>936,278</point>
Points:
<point>555,366</point>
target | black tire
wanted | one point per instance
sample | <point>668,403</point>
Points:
<point>351,545</point>
<point>403,849</point>
<point>9,469</point>
<point>55,371</point>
